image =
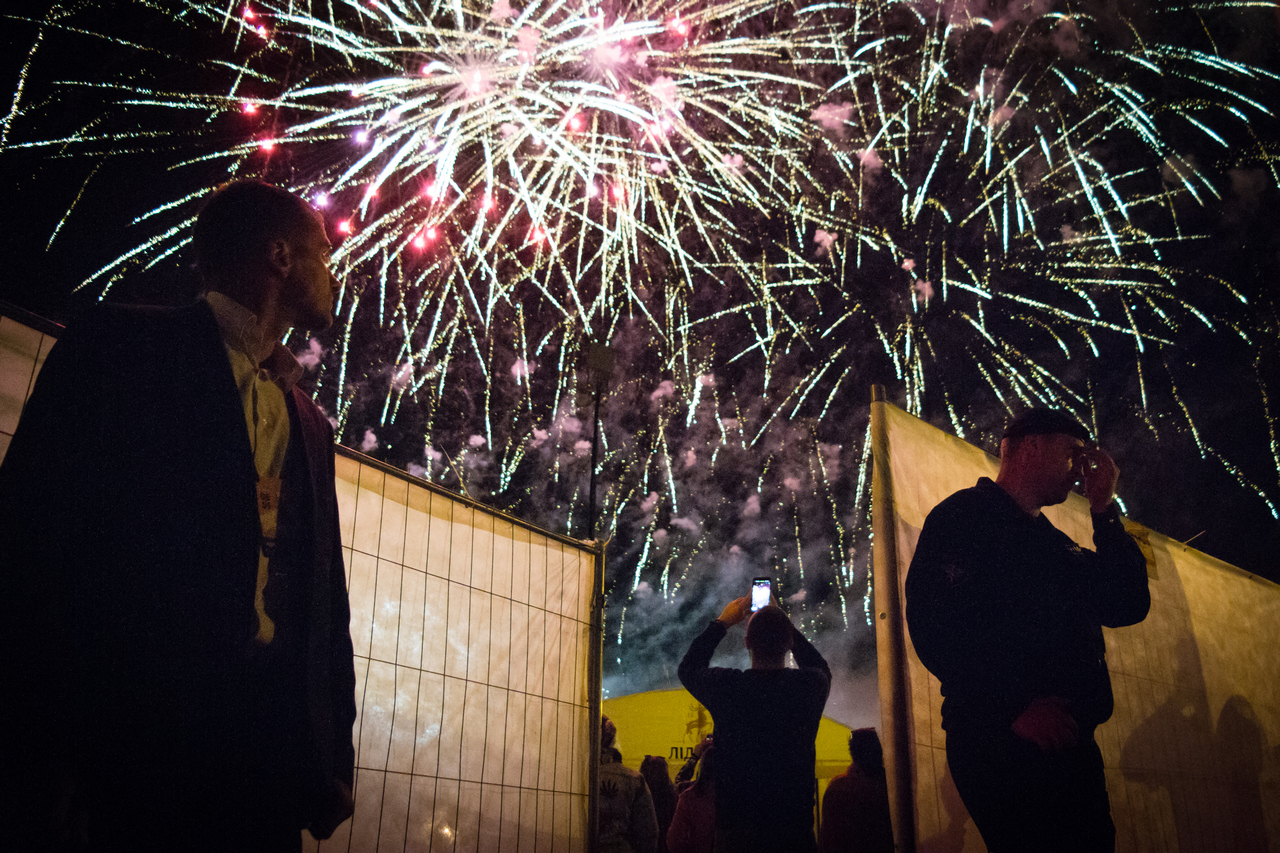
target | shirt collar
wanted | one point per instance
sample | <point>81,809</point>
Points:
<point>241,332</point>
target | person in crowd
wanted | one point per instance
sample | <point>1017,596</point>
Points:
<point>658,777</point>
<point>693,828</point>
<point>178,648</point>
<point>627,820</point>
<point>1007,612</point>
<point>855,808</point>
<point>684,776</point>
<point>766,719</point>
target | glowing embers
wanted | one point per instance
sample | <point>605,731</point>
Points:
<point>426,236</point>
<point>435,191</point>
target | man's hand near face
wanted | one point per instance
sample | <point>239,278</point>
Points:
<point>1098,478</point>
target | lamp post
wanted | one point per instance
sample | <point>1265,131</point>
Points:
<point>599,364</point>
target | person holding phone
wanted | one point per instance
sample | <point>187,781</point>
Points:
<point>766,721</point>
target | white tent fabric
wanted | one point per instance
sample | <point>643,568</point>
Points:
<point>471,637</point>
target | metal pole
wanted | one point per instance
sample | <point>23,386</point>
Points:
<point>891,658</point>
<point>595,448</point>
<point>599,358</point>
<point>595,677</point>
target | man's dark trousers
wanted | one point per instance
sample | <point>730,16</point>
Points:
<point>1023,798</point>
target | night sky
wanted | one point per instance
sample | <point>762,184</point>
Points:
<point>1167,483</point>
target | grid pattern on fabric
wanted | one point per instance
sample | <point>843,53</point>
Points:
<point>1192,753</point>
<point>22,353</point>
<point>471,650</point>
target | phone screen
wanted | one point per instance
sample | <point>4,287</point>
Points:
<point>760,589</point>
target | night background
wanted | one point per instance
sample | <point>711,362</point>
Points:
<point>762,208</point>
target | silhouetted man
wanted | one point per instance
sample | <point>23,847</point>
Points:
<point>766,720</point>
<point>178,629</point>
<point>1006,611</point>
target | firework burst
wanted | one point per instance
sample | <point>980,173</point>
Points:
<point>763,207</point>
<point>999,196</point>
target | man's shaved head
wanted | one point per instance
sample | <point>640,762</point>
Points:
<point>239,222</point>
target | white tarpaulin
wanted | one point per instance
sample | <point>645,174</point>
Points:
<point>471,637</point>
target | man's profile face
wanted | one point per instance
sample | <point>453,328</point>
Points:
<point>1059,462</point>
<point>311,288</point>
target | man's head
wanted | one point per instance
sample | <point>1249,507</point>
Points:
<point>865,750</point>
<point>267,249</point>
<point>1041,456</point>
<point>608,733</point>
<point>769,637</point>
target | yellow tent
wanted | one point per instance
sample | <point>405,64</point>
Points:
<point>670,722</point>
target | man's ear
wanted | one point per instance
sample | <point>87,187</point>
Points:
<point>280,255</point>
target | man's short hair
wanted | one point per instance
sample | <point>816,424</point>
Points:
<point>1043,421</point>
<point>769,633</point>
<point>865,749</point>
<point>239,221</point>
<point>608,732</point>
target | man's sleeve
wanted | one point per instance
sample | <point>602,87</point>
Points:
<point>695,670</point>
<point>1119,571</point>
<point>809,658</point>
<point>46,481</point>
<point>47,489</point>
<point>341,655</point>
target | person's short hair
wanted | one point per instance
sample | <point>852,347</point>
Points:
<point>865,749</point>
<point>769,633</point>
<point>1044,421</point>
<point>239,221</point>
<point>608,732</point>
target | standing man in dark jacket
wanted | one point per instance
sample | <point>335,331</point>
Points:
<point>1006,611</point>
<point>178,639</point>
<point>766,721</point>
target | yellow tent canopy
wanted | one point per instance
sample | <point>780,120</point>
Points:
<point>670,723</point>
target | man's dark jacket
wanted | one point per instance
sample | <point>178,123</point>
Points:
<point>129,561</point>
<point>766,721</point>
<point>1004,608</point>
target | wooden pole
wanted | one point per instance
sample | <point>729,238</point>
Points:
<point>891,658</point>
<point>595,676</point>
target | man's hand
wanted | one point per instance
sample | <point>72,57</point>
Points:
<point>1047,723</point>
<point>1099,476</point>
<point>735,611</point>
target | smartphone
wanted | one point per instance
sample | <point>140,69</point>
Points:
<point>761,588</point>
